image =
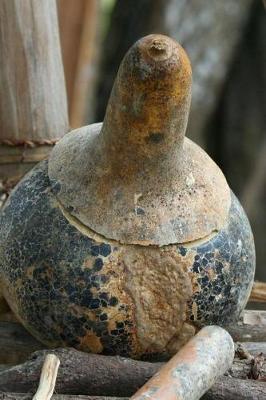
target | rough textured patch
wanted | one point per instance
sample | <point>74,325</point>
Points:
<point>158,281</point>
<point>72,289</point>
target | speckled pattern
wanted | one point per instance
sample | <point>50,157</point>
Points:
<point>69,289</point>
<point>223,272</point>
<point>54,273</point>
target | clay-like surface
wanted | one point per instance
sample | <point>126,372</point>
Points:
<point>70,286</point>
<point>145,209</point>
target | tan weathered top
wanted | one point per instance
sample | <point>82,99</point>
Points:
<point>135,178</point>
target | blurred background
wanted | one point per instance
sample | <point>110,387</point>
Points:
<point>226,43</point>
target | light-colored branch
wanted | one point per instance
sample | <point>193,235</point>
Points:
<point>48,378</point>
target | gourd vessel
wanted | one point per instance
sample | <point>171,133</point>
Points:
<point>128,238</point>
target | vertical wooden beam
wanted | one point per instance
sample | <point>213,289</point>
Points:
<point>33,107</point>
<point>70,18</point>
<point>78,21</point>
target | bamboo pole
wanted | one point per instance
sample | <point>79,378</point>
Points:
<point>70,19</point>
<point>80,54</point>
<point>33,107</point>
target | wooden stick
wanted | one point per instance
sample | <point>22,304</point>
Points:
<point>25,396</point>
<point>194,369</point>
<point>48,378</point>
<point>236,389</point>
<point>224,389</point>
<point>258,293</point>
<point>81,373</point>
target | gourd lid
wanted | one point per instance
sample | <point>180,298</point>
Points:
<point>135,178</point>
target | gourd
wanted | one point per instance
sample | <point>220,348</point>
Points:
<point>128,239</point>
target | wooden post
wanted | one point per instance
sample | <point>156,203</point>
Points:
<point>78,23</point>
<point>33,107</point>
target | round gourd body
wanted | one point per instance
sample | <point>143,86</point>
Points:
<point>71,286</point>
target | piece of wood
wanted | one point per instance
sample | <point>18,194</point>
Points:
<point>258,293</point>
<point>27,396</point>
<point>236,389</point>
<point>250,327</point>
<point>70,20</point>
<point>194,369</point>
<point>102,375</point>
<point>81,373</point>
<point>230,389</point>
<point>48,378</point>
<point>33,108</point>
<point>78,22</point>
<point>84,82</point>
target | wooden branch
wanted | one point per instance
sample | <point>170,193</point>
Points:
<point>90,374</point>
<point>251,327</point>
<point>48,378</point>
<point>236,389</point>
<point>27,396</point>
<point>230,389</point>
<point>191,372</point>
<point>258,293</point>
<point>81,373</point>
